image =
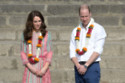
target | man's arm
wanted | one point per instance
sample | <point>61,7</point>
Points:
<point>100,40</point>
<point>81,68</point>
<point>92,59</point>
<point>76,63</point>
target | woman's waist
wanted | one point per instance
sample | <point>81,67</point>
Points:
<point>41,55</point>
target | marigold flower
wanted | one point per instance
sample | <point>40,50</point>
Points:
<point>78,28</point>
<point>80,52</point>
<point>38,45</point>
<point>77,50</point>
<point>40,37</point>
<point>77,34</point>
<point>36,59</point>
<point>84,49</point>
<point>91,26</point>
<point>31,60</point>
<point>76,38</point>
<point>88,35</point>
<point>89,31</point>
<point>30,55</point>
<point>39,41</point>
<point>29,41</point>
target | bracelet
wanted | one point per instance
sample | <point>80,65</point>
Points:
<point>85,66</point>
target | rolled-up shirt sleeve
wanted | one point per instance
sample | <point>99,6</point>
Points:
<point>72,46</point>
<point>100,40</point>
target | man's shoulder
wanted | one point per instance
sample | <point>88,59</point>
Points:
<point>74,30</point>
<point>98,26</point>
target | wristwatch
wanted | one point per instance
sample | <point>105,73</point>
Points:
<point>85,66</point>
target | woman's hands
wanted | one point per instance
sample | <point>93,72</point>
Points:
<point>31,68</point>
<point>41,72</point>
<point>37,72</point>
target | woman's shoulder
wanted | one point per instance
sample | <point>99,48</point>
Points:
<point>48,33</point>
<point>22,36</point>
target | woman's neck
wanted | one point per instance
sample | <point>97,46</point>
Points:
<point>36,30</point>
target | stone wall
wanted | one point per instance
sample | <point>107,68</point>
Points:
<point>61,17</point>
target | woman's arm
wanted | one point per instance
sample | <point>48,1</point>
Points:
<point>24,56</point>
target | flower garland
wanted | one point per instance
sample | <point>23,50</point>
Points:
<point>30,55</point>
<point>88,35</point>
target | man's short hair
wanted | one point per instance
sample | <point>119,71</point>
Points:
<point>84,6</point>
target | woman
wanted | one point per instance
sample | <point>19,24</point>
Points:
<point>36,51</point>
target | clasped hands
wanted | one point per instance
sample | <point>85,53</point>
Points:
<point>35,71</point>
<point>39,73</point>
<point>81,69</point>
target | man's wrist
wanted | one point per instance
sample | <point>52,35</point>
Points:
<point>85,66</point>
<point>78,66</point>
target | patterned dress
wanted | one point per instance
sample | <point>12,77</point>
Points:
<point>45,56</point>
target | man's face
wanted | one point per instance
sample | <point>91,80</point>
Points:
<point>85,16</point>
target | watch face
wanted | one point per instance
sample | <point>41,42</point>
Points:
<point>85,66</point>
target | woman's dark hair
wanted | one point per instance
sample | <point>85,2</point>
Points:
<point>29,25</point>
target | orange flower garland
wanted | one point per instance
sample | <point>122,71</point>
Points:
<point>30,55</point>
<point>40,37</point>
<point>29,41</point>
<point>36,59</point>
<point>31,58</point>
<point>78,33</point>
<point>77,37</point>
<point>38,45</point>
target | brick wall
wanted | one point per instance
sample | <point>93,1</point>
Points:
<point>61,17</point>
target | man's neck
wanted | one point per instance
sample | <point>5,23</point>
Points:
<point>84,26</point>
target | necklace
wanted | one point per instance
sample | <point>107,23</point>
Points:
<point>35,59</point>
<point>77,38</point>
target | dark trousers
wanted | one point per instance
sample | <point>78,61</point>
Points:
<point>92,74</point>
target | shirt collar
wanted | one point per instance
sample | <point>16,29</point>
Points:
<point>91,22</point>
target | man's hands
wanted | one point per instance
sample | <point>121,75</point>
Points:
<point>81,69</point>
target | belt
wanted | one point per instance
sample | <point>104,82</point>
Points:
<point>83,62</point>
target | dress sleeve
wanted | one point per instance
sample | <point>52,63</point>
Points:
<point>23,51</point>
<point>50,53</point>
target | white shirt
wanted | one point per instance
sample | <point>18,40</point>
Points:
<point>96,42</point>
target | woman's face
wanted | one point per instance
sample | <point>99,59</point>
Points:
<point>37,23</point>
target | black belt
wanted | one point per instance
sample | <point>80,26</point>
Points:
<point>83,62</point>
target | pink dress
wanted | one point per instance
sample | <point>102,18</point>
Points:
<point>45,56</point>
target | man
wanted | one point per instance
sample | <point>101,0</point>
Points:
<point>86,45</point>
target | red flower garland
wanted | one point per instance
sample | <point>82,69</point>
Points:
<point>88,35</point>
<point>30,56</point>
